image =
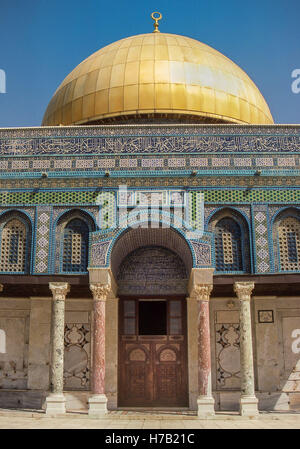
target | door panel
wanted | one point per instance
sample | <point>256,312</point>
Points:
<point>152,368</point>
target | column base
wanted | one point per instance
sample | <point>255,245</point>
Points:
<point>249,406</point>
<point>97,405</point>
<point>55,404</point>
<point>206,407</point>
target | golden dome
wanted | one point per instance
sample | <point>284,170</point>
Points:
<point>157,74</point>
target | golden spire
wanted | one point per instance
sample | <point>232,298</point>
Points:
<point>156,19</point>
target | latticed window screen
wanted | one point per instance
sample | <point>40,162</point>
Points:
<point>289,243</point>
<point>13,247</point>
<point>228,245</point>
<point>75,246</point>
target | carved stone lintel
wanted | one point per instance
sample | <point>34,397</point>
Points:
<point>243,290</point>
<point>59,290</point>
<point>201,292</point>
<point>100,291</point>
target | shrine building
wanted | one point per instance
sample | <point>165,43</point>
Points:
<point>150,239</point>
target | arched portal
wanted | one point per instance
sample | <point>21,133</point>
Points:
<point>152,268</point>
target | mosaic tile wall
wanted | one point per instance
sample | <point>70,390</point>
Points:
<point>224,195</point>
<point>42,240</point>
<point>125,165</point>
<point>265,246</point>
<point>261,238</point>
<point>47,171</point>
<point>150,139</point>
<point>152,270</point>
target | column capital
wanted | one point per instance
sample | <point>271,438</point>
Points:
<point>201,292</point>
<point>59,290</point>
<point>100,291</point>
<point>243,290</point>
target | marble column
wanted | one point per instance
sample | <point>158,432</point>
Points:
<point>248,400</point>
<point>98,400</point>
<point>205,401</point>
<point>56,402</point>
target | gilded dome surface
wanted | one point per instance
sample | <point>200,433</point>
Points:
<point>157,74</point>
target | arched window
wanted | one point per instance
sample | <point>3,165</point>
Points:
<point>75,246</point>
<point>289,244</point>
<point>228,245</point>
<point>14,246</point>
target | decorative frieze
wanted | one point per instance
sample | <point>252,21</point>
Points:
<point>150,139</point>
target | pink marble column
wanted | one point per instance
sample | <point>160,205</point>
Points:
<point>201,293</point>
<point>98,400</point>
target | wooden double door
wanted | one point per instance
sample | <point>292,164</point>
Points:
<point>152,352</point>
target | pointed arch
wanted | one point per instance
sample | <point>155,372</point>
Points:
<point>15,247</point>
<point>286,240</point>
<point>72,241</point>
<point>231,241</point>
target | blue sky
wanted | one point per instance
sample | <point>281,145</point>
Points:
<point>43,40</point>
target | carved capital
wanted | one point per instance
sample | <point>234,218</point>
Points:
<point>243,290</point>
<point>59,290</point>
<point>100,291</point>
<point>201,292</point>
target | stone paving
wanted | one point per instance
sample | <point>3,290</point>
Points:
<point>19,419</point>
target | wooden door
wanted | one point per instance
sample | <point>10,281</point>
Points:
<point>152,366</point>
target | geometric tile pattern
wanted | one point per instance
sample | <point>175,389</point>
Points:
<point>196,210</point>
<point>108,210</point>
<point>219,196</point>
<point>262,249</point>
<point>126,163</point>
<point>43,224</point>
